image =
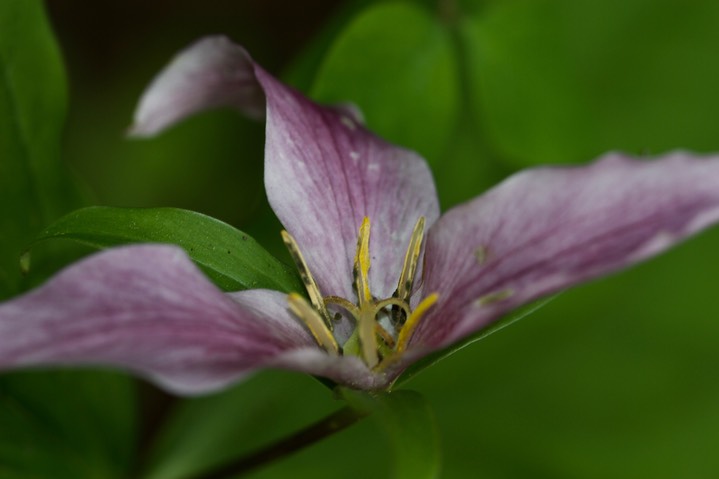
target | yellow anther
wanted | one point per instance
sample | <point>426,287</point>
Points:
<point>411,259</point>
<point>362,264</point>
<point>302,309</point>
<point>366,320</point>
<point>310,285</point>
<point>405,334</point>
<point>383,327</point>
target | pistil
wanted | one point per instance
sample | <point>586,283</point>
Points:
<point>372,341</point>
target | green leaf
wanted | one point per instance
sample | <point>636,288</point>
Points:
<point>554,83</point>
<point>232,259</point>
<point>304,68</point>
<point>396,62</point>
<point>34,188</point>
<point>407,419</point>
<point>438,356</point>
<point>414,85</point>
<point>46,432</point>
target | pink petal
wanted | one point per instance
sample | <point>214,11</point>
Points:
<point>546,229</point>
<point>348,371</point>
<point>148,309</point>
<point>324,171</point>
<point>211,73</point>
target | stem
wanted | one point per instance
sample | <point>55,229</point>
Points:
<point>335,422</point>
<point>154,407</point>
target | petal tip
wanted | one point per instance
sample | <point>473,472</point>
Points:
<point>211,73</point>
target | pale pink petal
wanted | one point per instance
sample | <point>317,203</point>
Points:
<point>546,229</point>
<point>148,309</point>
<point>323,170</point>
<point>324,173</point>
<point>211,73</point>
<point>348,371</point>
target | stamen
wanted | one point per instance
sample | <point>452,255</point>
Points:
<point>310,285</point>
<point>411,258</point>
<point>366,320</point>
<point>383,327</point>
<point>405,334</point>
<point>367,337</point>
<point>362,264</point>
<point>313,321</point>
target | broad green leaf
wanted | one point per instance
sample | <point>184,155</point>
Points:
<point>438,356</point>
<point>66,425</point>
<point>395,61</point>
<point>409,423</point>
<point>304,68</point>
<point>414,84</point>
<point>34,188</point>
<point>60,425</point>
<point>232,259</point>
<point>564,80</point>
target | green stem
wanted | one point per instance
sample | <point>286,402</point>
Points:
<point>335,422</point>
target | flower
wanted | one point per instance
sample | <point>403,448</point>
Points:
<point>388,280</point>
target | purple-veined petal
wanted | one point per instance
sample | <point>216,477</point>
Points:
<point>323,170</point>
<point>348,371</point>
<point>324,173</point>
<point>150,310</point>
<point>546,229</point>
<point>211,73</point>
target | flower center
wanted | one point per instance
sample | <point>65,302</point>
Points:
<point>382,327</point>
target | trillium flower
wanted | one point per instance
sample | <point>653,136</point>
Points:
<point>387,279</point>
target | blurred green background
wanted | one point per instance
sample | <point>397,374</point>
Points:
<point>618,378</point>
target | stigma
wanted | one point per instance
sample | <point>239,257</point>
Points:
<point>382,328</point>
